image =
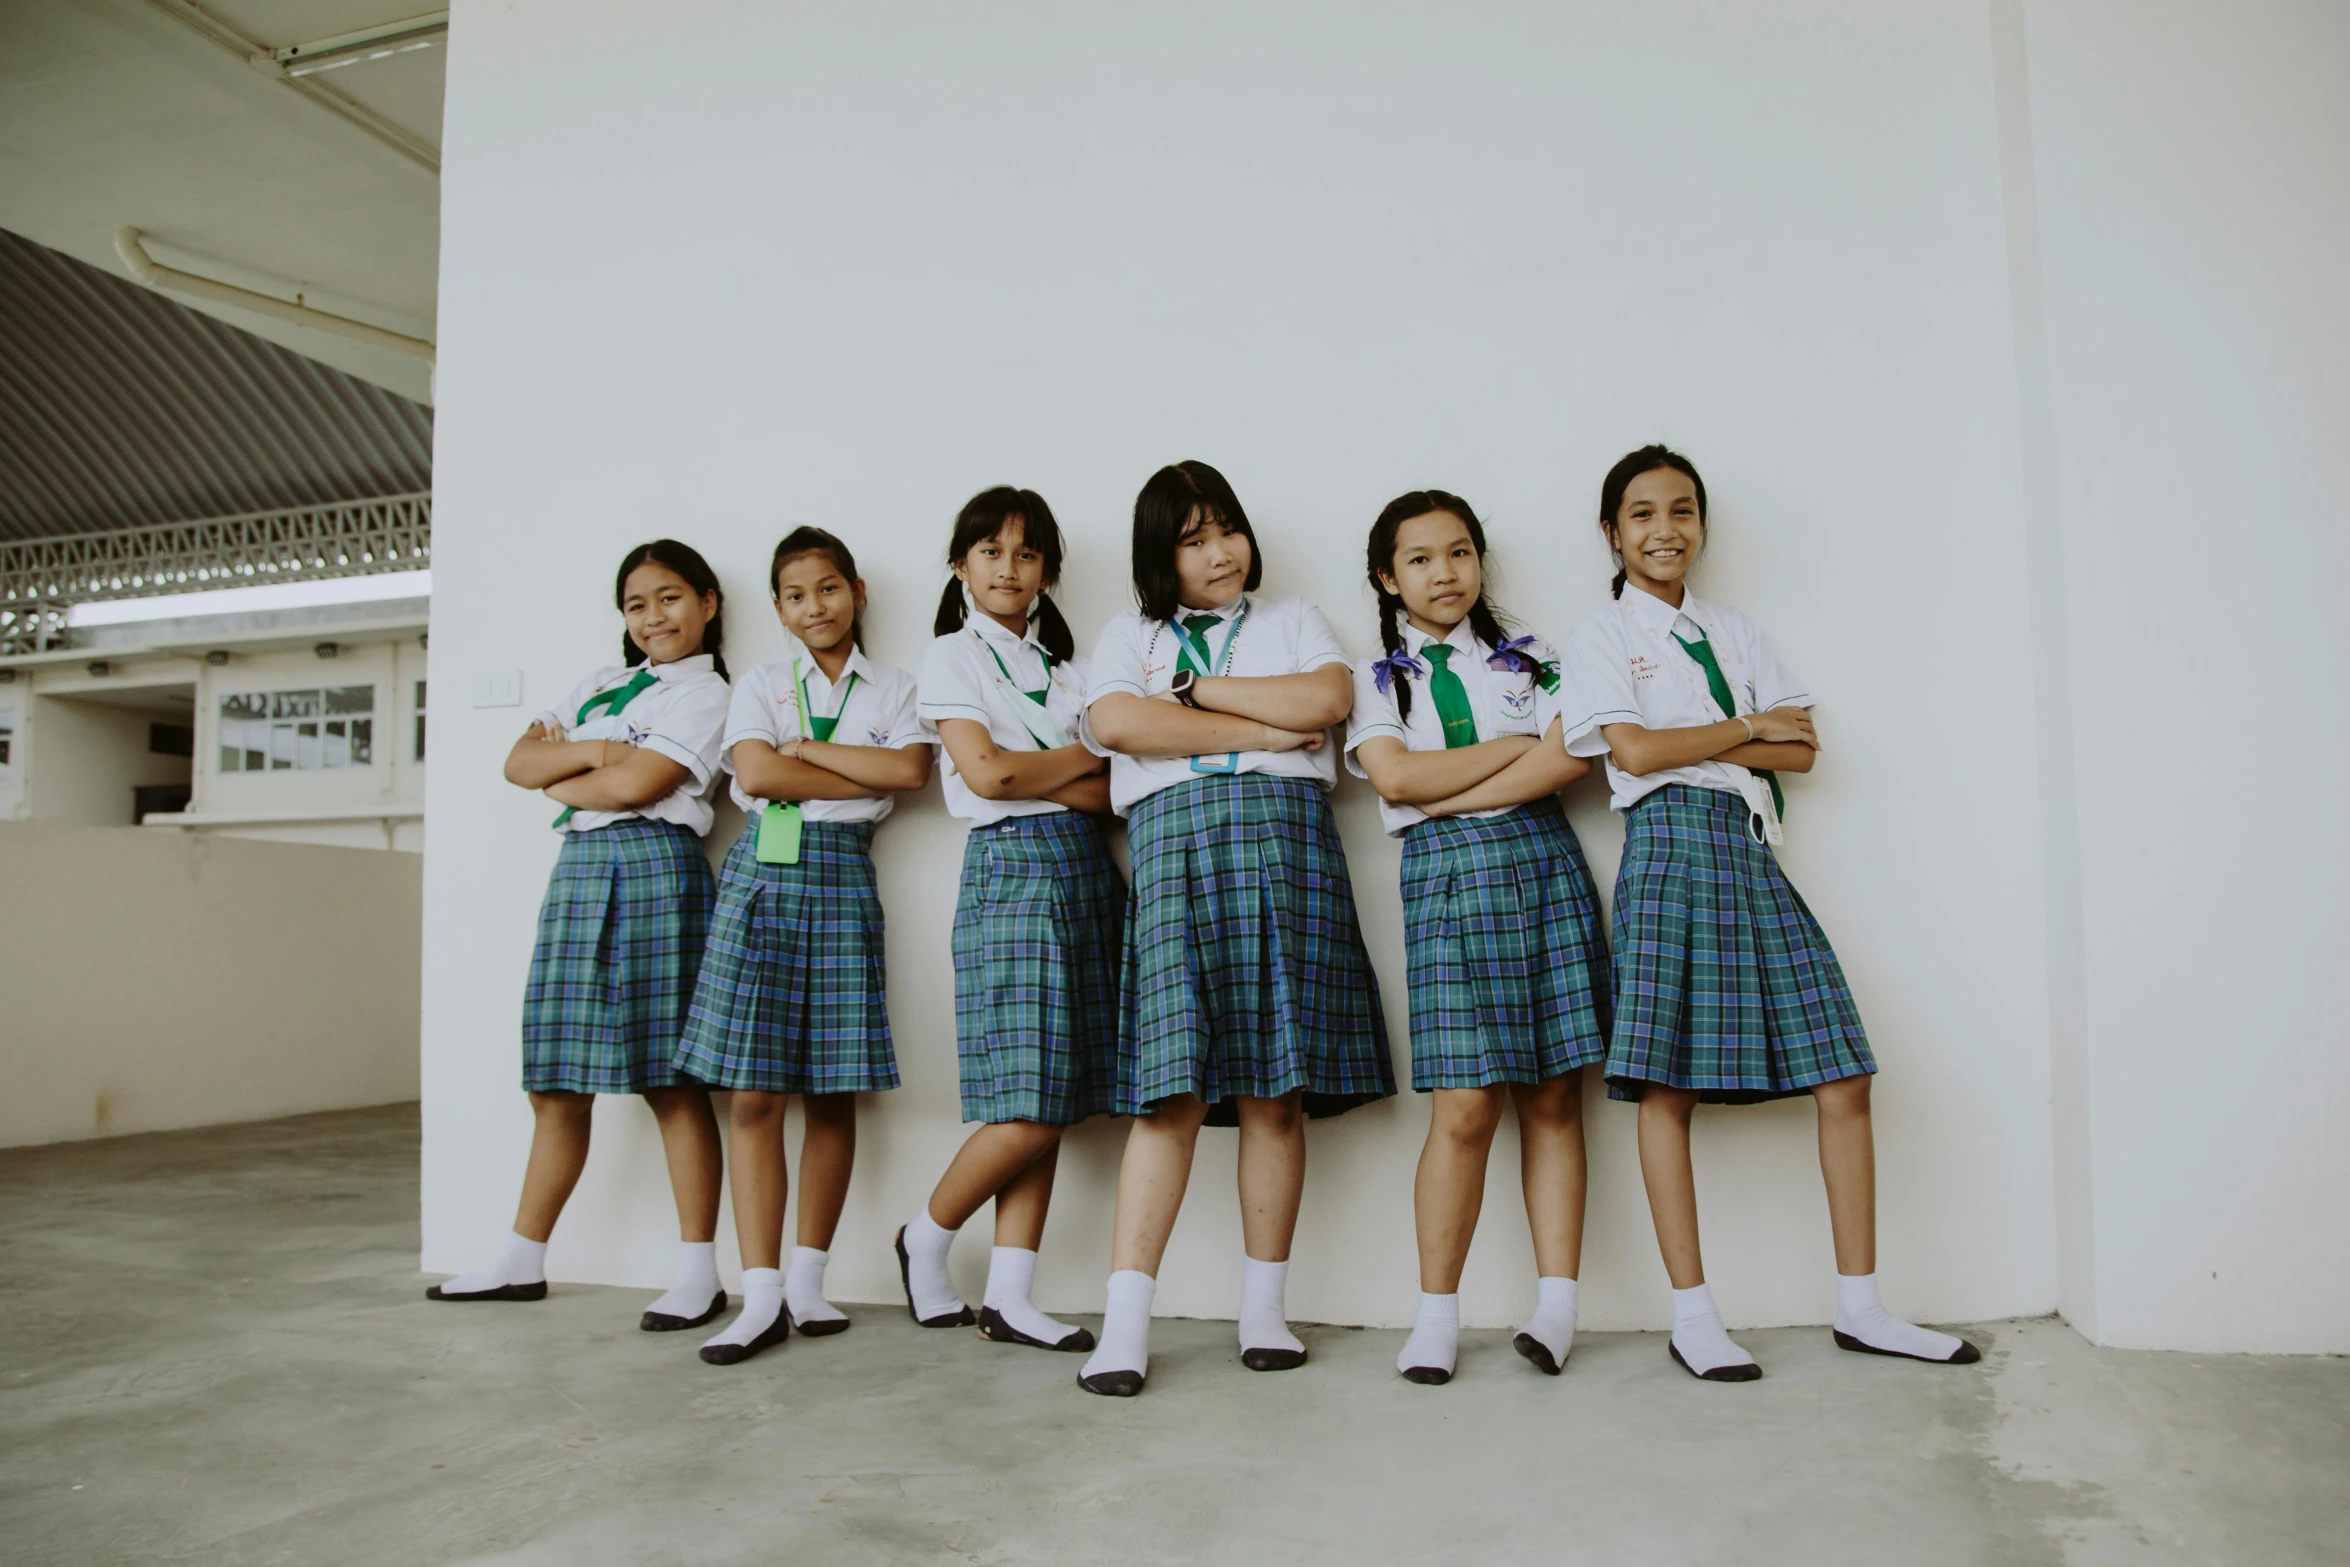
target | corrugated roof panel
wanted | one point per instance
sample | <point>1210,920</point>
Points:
<point>121,407</point>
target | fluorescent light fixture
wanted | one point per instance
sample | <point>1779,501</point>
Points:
<point>379,42</point>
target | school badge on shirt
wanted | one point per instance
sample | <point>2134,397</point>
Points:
<point>1518,704</point>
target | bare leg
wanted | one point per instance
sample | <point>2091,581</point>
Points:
<point>1449,1190</point>
<point>558,1153</point>
<point>761,1180</point>
<point>828,1152</point>
<point>1272,1173</point>
<point>1551,1165</point>
<point>1672,1185</point>
<point>689,1138</point>
<point>990,1162</point>
<point>1021,1205</point>
<point>1151,1178</point>
<point>1848,1166</point>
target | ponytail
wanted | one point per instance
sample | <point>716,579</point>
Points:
<point>1391,638</point>
<point>951,610</point>
<point>1052,631</point>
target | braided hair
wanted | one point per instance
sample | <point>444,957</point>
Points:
<point>1619,479</point>
<point>1380,559</point>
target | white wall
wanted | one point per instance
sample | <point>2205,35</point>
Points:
<point>864,259</point>
<point>85,758</point>
<point>158,980</point>
<point>2194,216</point>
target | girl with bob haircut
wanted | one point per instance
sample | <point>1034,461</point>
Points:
<point>1457,727</point>
<point>1040,923</point>
<point>1726,988</point>
<point>791,999</point>
<point>1247,995</point>
<point>630,757</point>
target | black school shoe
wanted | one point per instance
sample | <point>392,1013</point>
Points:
<point>822,1327</point>
<point>1272,1359</point>
<point>1750,1372</point>
<point>1427,1376</point>
<point>950,1319</point>
<point>663,1322</point>
<point>1965,1355</point>
<point>1538,1352</point>
<point>736,1354</point>
<point>1112,1384</point>
<point>994,1328</point>
<point>536,1291</point>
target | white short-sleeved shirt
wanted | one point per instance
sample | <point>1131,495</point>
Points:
<point>1511,701</point>
<point>1622,666</point>
<point>879,711</point>
<point>1136,655</point>
<point>681,715</point>
<point>961,679</point>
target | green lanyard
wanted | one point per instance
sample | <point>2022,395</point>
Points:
<point>612,702</point>
<point>1191,638</point>
<point>1034,716</point>
<point>1703,651</point>
<point>1452,697</point>
<point>780,821</point>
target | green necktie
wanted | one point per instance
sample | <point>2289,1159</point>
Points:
<point>1452,698</point>
<point>1195,642</point>
<point>1703,651</point>
<point>611,701</point>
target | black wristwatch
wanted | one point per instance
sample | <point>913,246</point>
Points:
<point>1180,688</point>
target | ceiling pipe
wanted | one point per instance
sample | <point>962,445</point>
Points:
<point>157,276</point>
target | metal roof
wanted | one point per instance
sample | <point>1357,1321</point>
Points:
<point>121,408</point>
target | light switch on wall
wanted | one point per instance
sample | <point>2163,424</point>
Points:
<point>503,689</point>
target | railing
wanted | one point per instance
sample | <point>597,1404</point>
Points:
<point>40,579</point>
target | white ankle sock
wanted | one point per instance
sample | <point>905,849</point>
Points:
<point>1011,1273</point>
<point>695,1284</point>
<point>927,1279</point>
<point>762,1304</point>
<point>803,1287</point>
<point>1699,1335</point>
<point>1553,1323</point>
<point>1435,1344</point>
<point>519,1261</point>
<point>1264,1323</point>
<point>1861,1315</point>
<point>1126,1326</point>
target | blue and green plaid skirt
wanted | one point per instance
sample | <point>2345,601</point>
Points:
<point>1724,981</point>
<point>1040,924</point>
<point>1509,977</point>
<point>791,999</point>
<point>1245,972</point>
<point>620,938</point>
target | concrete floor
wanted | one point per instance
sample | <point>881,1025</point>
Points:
<point>217,1351</point>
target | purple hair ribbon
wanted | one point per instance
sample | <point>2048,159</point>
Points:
<point>1512,654</point>
<point>1395,666</point>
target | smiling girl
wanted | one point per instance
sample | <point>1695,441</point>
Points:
<point>791,998</point>
<point>1726,988</point>
<point>630,758</point>
<point>1457,728</point>
<point>1246,989</point>
<point>1041,919</point>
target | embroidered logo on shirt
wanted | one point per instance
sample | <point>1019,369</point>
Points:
<point>1518,704</point>
<point>877,737</point>
<point>1643,668</point>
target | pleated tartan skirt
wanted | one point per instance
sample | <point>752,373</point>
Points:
<point>1725,983</point>
<point>1509,975</point>
<point>619,944</point>
<point>1245,972</point>
<point>1040,929</point>
<point>791,999</point>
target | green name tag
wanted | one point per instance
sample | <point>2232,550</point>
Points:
<point>779,834</point>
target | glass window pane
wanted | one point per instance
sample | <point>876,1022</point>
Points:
<point>230,757</point>
<point>245,704</point>
<point>420,737</point>
<point>420,696</point>
<point>337,745</point>
<point>293,704</point>
<point>306,752</point>
<point>362,742</point>
<point>351,699</point>
<point>253,761</point>
<point>281,747</point>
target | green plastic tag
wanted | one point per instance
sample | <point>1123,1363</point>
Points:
<point>779,834</point>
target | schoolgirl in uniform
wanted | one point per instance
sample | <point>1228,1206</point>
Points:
<point>1457,728</point>
<point>630,758</point>
<point>1246,990</point>
<point>1040,924</point>
<point>1726,988</point>
<point>791,998</point>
